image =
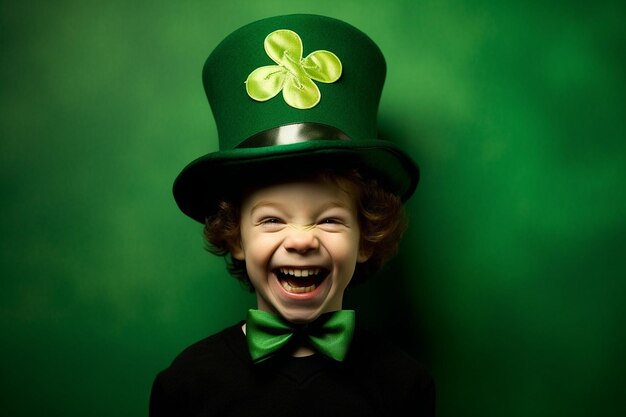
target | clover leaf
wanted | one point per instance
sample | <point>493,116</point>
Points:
<point>293,75</point>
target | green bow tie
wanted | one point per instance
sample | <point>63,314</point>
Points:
<point>330,334</point>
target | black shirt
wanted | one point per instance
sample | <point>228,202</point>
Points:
<point>216,377</point>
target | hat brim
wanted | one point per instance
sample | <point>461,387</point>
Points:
<point>214,175</point>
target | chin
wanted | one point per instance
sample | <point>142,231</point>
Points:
<point>299,315</point>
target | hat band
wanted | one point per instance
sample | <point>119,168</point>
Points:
<point>293,133</point>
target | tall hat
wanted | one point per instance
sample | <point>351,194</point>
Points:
<point>290,93</point>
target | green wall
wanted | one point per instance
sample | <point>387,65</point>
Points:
<point>510,284</point>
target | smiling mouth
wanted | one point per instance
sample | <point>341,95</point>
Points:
<point>300,280</point>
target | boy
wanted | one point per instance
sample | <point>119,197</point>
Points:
<point>312,202</point>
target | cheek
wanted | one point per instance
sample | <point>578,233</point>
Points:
<point>346,250</point>
<point>259,248</point>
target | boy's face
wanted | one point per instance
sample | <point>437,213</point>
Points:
<point>300,242</point>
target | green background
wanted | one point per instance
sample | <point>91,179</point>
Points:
<point>509,286</point>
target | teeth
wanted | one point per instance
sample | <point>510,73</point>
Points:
<point>289,288</point>
<point>300,272</point>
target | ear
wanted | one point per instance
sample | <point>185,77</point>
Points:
<point>236,251</point>
<point>364,255</point>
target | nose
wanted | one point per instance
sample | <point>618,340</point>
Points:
<point>301,240</point>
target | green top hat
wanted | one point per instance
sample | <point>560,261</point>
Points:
<point>288,93</point>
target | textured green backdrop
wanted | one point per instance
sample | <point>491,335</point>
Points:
<point>510,284</point>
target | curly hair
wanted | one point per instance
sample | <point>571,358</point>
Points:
<point>381,216</point>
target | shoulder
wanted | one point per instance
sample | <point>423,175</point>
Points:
<point>391,372</point>
<point>207,356</point>
<point>215,364</point>
<point>377,350</point>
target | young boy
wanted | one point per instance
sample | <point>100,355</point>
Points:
<point>302,200</point>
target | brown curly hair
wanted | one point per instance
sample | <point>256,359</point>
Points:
<point>381,215</point>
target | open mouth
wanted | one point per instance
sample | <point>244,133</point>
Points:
<point>300,280</point>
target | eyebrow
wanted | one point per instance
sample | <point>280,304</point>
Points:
<point>329,205</point>
<point>262,203</point>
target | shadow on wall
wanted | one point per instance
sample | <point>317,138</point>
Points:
<point>391,302</point>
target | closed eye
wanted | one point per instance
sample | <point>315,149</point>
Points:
<point>271,224</point>
<point>332,224</point>
<point>331,220</point>
<point>270,221</point>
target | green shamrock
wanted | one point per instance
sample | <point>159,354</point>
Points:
<point>293,75</point>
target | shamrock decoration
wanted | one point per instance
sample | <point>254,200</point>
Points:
<point>293,75</point>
